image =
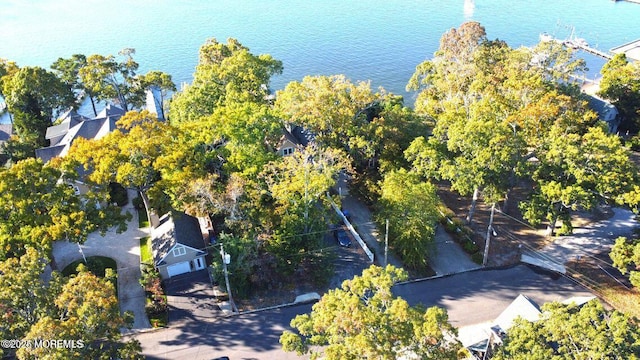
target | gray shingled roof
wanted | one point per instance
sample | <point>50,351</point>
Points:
<point>48,153</point>
<point>6,130</point>
<point>178,228</point>
<point>74,126</point>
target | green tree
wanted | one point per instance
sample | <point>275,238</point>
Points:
<point>298,186</point>
<point>69,71</point>
<point>24,295</point>
<point>160,81</point>
<point>625,255</point>
<point>331,107</point>
<point>38,206</point>
<point>410,205</point>
<point>225,73</point>
<point>127,155</point>
<point>33,94</point>
<point>621,84</point>
<point>109,79</point>
<point>85,309</point>
<point>576,172</point>
<point>363,320</point>
<point>572,332</point>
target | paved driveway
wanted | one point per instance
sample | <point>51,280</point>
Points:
<point>124,248</point>
<point>587,241</point>
<point>190,298</point>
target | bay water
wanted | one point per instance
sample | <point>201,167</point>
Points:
<point>380,41</point>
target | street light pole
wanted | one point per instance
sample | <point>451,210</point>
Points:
<point>226,259</point>
<point>488,238</point>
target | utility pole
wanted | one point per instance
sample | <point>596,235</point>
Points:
<point>489,230</point>
<point>386,242</point>
<point>226,259</point>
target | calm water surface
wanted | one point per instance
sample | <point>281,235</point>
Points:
<point>381,41</point>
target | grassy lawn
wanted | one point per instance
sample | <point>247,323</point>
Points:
<point>143,221</point>
<point>97,265</point>
<point>146,257</point>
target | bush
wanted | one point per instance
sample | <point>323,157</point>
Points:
<point>138,203</point>
<point>470,247</point>
<point>118,194</point>
<point>477,258</point>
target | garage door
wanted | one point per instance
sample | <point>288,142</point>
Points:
<point>179,268</point>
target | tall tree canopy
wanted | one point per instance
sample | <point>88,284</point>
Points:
<point>625,255</point>
<point>621,84</point>
<point>410,205</point>
<point>495,110</point>
<point>225,73</point>
<point>84,308</point>
<point>128,155</point>
<point>33,95</point>
<point>109,79</point>
<point>38,206</point>
<point>572,332</point>
<point>363,320</point>
<point>577,172</point>
<point>298,186</point>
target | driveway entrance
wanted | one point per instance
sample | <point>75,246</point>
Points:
<point>190,298</point>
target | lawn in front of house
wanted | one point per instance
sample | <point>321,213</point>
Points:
<point>146,256</point>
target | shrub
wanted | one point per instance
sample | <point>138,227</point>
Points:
<point>477,258</point>
<point>138,203</point>
<point>118,194</point>
<point>470,247</point>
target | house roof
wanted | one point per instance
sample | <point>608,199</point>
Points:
<point>296,135</point>
<point>48,153</point>
<point>522,307</point>
<point>6,130</point>
<point>606,111</point>
<point>73,126</point>
<point>175,228</point>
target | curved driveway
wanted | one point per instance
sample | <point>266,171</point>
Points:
<point>124,248</point>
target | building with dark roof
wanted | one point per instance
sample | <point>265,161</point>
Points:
<point>177,244</point>
<point>73,126</point>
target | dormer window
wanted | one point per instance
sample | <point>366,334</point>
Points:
<point>179,251</point>
<point>287,151</point>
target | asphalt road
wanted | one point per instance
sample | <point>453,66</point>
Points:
<point>245,336</point>
<point>480,296</point>
<point>470,298</point>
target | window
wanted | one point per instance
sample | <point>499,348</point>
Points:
<point>287,151</point>
<point>179,251</point>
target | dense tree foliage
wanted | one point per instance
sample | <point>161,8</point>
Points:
<point>410,205</point>
<point>84,307</point>
<point>225,73</point>
<point>621,84</point>
<point>363,320</point>
<point>128,155</point>
<point>625,255</point>
<point>572,332</point>
<point>577,172</point>
<point>503,114</point>
<point>33,95</point>
<point>109,79</point>
<point>298,185</point>
<point>38,205</point>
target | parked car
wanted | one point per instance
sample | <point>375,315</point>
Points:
<point>342,237</point>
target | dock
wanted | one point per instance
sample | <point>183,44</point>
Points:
<point>631,50</point>
<point>582,45</point>
<point>576,43</point>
